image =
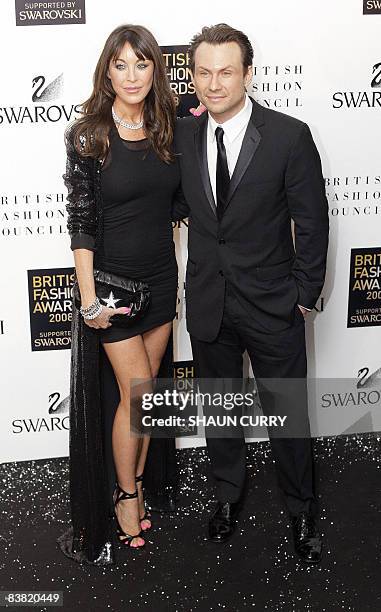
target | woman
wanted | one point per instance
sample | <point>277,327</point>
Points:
<point>121,177</point>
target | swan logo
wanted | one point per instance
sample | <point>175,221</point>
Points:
<point>371,7</point>
<point>50,13</point>
<point>51,91</point>
<point>58,419</point>
<point>56,406</point>
<point>366,380</point>
<point>376,74</point>
<point>361,99</point>
<point>43,92</point>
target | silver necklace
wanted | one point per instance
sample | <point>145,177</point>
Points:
<point>129,126</point>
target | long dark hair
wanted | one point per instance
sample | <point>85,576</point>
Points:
<point>90,132</point>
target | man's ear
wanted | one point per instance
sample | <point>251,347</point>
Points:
<point>248,76</point>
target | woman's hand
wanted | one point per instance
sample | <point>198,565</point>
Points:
<point>198,111</point>
<point>102,320</point>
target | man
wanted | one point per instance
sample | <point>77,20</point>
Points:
<point>246,172</point>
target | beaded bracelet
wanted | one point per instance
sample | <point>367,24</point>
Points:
<point>93,305</point>
<point>94,314</point>
<point>92,311</point>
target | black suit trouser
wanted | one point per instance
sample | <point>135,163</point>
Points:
<point>273,355</point>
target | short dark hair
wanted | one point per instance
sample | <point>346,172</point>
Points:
<point>218,35</point>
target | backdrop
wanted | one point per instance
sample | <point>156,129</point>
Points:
<point>320,62</point>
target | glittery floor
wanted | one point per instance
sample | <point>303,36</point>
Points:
<point>179,570</point>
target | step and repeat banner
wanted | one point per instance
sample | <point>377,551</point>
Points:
<point>320,62</point>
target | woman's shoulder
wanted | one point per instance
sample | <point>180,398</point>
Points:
<point>76,139</point>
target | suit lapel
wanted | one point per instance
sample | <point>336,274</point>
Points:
<point>202,156</point>
<point>249,147</point>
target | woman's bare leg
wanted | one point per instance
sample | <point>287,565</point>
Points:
<point>155,342</point>
<point>138,358</point>
<point>129,361</point>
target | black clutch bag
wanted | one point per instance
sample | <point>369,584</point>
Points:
<point>117,292</point>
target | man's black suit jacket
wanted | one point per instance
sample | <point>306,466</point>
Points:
<point>277,178</point>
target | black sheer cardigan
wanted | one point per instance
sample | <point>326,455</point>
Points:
<point>94,397</point>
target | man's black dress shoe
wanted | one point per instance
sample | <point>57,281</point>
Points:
<point>223,521</point>
<point>306,539</point>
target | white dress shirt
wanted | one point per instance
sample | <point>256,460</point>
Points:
<point>234,131</point>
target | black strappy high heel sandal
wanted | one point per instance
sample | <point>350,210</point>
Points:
<point>146,516</point>
<point>119,495</point>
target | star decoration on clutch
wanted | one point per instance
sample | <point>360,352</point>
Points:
<point>110,301</point>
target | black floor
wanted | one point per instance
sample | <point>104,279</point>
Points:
<point>179,570</point>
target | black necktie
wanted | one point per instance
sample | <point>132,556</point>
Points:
<point>222,173</point>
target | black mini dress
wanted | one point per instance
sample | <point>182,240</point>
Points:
<point>137,193</point>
